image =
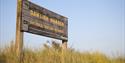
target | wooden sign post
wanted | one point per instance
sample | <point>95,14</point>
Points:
<point>19,34</point>
<point>38,20</point>
<point>64,44</point>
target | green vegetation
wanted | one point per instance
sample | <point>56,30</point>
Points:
<point>54,54</point>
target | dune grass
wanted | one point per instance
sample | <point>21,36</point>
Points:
<point>54,54</point>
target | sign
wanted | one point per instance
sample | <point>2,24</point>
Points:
<point>40,21</point>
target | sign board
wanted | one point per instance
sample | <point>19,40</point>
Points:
<point>40,21</point>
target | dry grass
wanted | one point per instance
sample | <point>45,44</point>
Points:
<point>54,54</point>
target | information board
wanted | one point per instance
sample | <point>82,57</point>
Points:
<point>41,21</point>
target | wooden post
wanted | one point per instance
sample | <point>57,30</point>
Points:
<point>19,34</point>
<point>64,47</point>
<point>64,44</point>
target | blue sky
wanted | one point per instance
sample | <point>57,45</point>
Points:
<point>93,25</point>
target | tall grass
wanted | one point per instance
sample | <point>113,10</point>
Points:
<point>54,54</point>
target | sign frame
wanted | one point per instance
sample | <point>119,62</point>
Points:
<point>41,21</point>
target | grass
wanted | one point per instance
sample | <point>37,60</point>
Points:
<point>54,54</point>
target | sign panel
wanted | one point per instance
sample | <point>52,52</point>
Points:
<point>40,21</point>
